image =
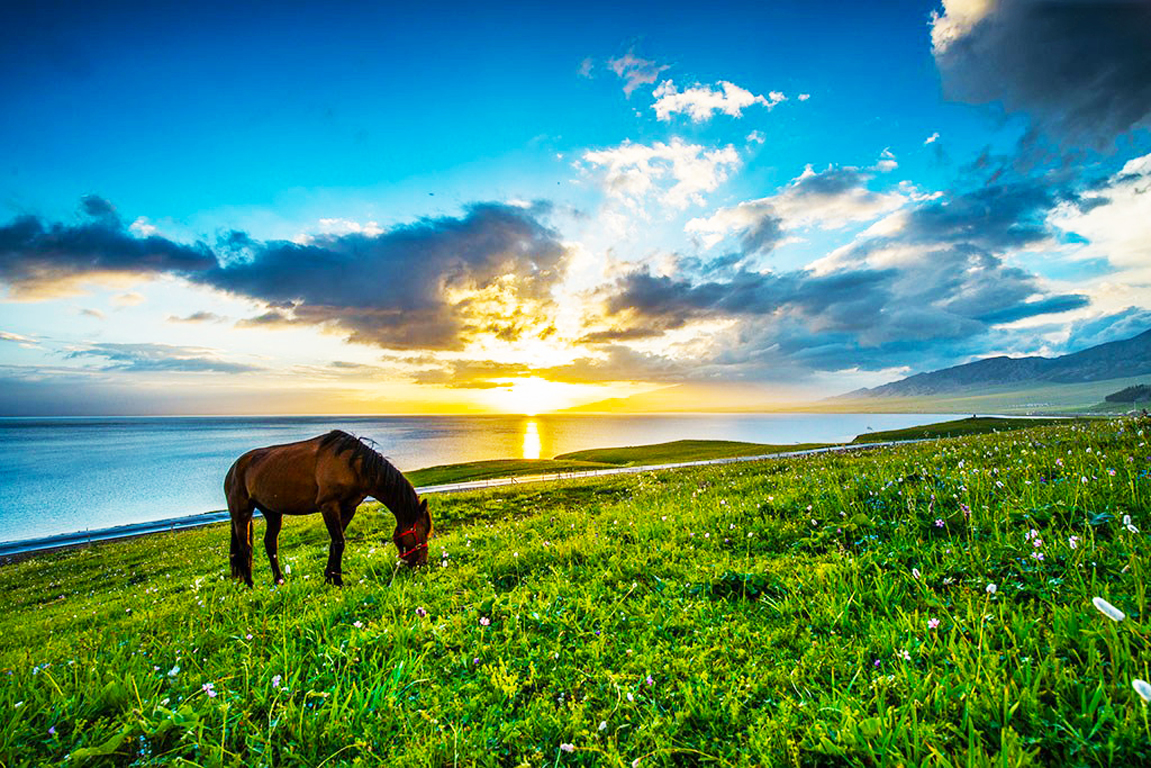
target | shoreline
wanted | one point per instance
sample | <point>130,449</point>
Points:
<point>16,551</point>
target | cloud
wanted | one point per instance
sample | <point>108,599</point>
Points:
<point>129,299</point>
<point>38,260</point>
<point>636,71</point>
<point>471,374</point>
<point>198,317</point>
<point>830,199</point>
<point>700,102</point>
<point>931,139</point>
<point>15,337</point>
<point>1080,70</point>
<point>930,286</point>
<point>147,358</point>
<point>676,174</point>
<point>436,283</point>
<point>1113,219</point>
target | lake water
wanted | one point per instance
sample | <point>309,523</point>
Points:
<point>73,474</point>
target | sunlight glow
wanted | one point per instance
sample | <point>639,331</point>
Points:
<point>533,396</point>
<point>532,439</point>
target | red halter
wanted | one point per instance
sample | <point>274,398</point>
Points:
<point>416,548</point>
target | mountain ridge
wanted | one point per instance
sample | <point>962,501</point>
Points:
<point>1111,360</point>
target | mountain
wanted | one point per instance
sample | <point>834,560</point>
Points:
<point>1114,360</point>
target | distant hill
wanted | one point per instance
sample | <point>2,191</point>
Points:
<point>1114,360</point>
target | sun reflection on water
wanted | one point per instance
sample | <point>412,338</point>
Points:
<point>531,439</point>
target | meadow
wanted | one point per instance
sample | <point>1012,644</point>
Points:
<point>925,604</point>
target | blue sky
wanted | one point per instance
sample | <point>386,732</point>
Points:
<point>291,207</point>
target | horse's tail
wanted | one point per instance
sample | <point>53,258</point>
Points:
<point>240,524</point>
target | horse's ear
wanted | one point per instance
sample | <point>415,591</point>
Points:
<point>424,507</point>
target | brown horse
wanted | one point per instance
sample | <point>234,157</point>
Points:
<point>330,474</point>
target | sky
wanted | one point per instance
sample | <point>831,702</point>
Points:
<point>488,208</point>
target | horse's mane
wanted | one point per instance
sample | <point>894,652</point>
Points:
<point>377,471</point>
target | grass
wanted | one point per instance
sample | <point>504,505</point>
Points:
<point>486,470</point>
<point>833,609</point>
<point>973,425</point>
<point>680,450</point>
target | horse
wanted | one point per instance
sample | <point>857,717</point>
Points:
<point>331,474</point>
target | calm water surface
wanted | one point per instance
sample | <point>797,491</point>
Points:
<point>70,474</point>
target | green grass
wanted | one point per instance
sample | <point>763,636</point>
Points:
<point>486,470</point>
<point>973,425</point>
<point>680,450</point>
<point>824,610</point>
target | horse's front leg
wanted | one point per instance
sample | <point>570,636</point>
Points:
<point>333,574</point>
<point>272,543</point>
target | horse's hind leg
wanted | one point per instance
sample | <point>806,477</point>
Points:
<point>272,542</point>
<point>333,573</point>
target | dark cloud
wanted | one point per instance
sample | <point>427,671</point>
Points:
<point>36,258</point>
<point>147,358</point>
<point>432,284</point>
<point>1079,68</point>
<point>99,208</point>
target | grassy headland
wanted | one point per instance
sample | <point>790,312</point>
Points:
<point>926,604</point>
<point>972,425</point>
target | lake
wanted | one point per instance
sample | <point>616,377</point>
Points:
<point>75,474</point>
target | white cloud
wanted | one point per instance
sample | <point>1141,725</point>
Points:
<point>701,102</point>
<point>756,136</point>
<point>1116,225</point>
<point>804,96</point>
<point>141,227</point>
<point>958,18</point>
<point>931,139</point>
<point>830,199</point>
<point>636,71</point>
<point>129,299</point>
<point>677,174</point>
<point>585,67</point>
<point>886,161</point>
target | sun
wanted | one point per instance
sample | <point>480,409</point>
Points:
<point>533,395</point>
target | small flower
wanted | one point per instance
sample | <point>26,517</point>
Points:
<point>878,663</point>
<point>603,725</point>
<point>932,623</point>
<point>565,747</point>
<point>276,681</point>
<point>174,671</point>
<point>209,689</point>
<point>992,589</point>
<point>915,573</point>
<point>630,697</point>
<point>52,730</point>
<point>476,661</point>
<point>1073,542</point>
<point>635,763</point>
<point>1143,688</point>
<point>903,654</point>
<point>421,612</point>
<point>1107,609</point>
<point>485,621</point>
<point>358,625</point>
<point>249,636</point>
<point>649,681</point>
<point>1037,555</point>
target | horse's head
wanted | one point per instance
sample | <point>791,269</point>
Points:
<point>412,540</point>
